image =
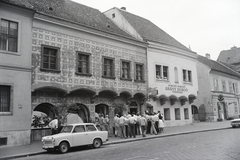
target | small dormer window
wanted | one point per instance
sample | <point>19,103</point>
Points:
<point>113,15</point>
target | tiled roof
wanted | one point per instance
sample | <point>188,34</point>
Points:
<point>22,3</point>
<point>75,12</point>
<point>150,31</point>
<point>230,56</point>
<point>218,66</point>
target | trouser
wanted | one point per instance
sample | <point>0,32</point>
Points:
<point>156,126</point>
<point>132,131</point>
<point>153,130</point>
<point>122,131</point>
<point>126,130</point>
<point>143,128</point>
<point>148,127</point>
<point>115,131</point>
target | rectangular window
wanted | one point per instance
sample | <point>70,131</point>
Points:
<point>108,67</point>
<point>50,58</point>
<point>5,93</point>
<point>167,114</point>
<point>139,72</point>
<point>224,89</point>
<point>187,75</point>
<point>9,35</point>
<point>215,83</point>
<point>230,87</point>
<point>83,63</point>
<point>236,87</point>
<point>177,114</point>
<point>161,72</point>
<point>125,70</point>
<point>186,115</point>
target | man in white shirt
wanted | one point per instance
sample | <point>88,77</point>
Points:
<point>54,126</point>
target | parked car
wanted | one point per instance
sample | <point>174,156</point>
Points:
<point>73,135</point>
<point>235,122</point>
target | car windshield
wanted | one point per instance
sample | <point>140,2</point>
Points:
<point>66,129</point>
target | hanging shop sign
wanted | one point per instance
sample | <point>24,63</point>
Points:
<point>176,88</point>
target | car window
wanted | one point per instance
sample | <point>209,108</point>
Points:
<point>90,128</point>
<point>79,129</point>
<point>66,129</point>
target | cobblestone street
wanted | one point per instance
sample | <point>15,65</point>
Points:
<point>211,145</point>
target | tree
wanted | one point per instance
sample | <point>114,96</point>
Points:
<point>62,109</point>
<point>119,108</point>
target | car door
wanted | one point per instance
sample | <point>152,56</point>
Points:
<point>92,132</point>
<point>80,136</point>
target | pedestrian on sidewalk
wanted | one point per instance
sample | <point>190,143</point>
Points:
<point>132,123</point>
<point>143,123</point>
<point>106,123</point>
<point>115,125</point>
<point>54,125</point>
<point>121,121</point>
<point>126,125</point>
<point>152,130</point>
<point>101,125</point>
<point>139,130</point>
<point>161,123</point>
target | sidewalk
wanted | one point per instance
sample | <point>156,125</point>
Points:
<point>36,147</point>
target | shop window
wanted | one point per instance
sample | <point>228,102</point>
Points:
<point>83,63</point>
<point>177,114</point>
<point>50,59</point>
<point>108,67</point>
<point>186,114</point>
<point>161,72</point>
<point>125,72</point>
<point>9,36</point>
<point>167,114</point>
<point>187,76</point>
<point>139,72</point>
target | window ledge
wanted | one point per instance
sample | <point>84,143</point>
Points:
<point>83,74</point>
<point>9,52</point>
<point>49,70</point>
<point>125,79</point>
<point>108,77</point>
<point>5,113</point>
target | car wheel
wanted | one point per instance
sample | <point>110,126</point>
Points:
<point>63,147</point>
<point>97,143</point>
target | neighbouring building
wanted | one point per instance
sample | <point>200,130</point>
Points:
<point>15,73</point>
<point>218,93</point>
<point>231,57</point>
<point>172,73</point>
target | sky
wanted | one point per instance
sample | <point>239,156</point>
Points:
<point>204,26</point>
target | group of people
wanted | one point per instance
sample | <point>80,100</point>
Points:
<point>130,125</point>
<point>102,122</point>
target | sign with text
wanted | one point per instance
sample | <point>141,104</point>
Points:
<point>176,88</point>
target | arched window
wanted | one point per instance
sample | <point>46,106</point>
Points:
<point>176,74</point>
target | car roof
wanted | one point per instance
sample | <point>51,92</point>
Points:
<point>236,119</point>
<point>75,124</point>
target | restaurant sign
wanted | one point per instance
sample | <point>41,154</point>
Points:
<point>176,88</point>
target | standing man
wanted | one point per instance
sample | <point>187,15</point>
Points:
<point>115,125</point>
<point>132,123</point>
<point>121,122</point>
<point>143,123</point>
<point>106,123</point>
<point>54,126</point>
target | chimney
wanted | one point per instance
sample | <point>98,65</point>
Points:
<point>208,56</point>
<point>123,8</point>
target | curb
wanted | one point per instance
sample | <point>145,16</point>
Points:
<point>118,142</point>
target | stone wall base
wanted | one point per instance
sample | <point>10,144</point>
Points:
<point>16,138</point>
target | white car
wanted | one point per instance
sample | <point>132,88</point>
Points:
<point>73,135</point>
<point>235,122</point>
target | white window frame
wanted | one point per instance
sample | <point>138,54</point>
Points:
<point>19,36</point>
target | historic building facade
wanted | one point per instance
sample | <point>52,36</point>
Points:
<point>15,74</point>
<point>218,97</point>
<point>172,74</point>
<point>88,61</point>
